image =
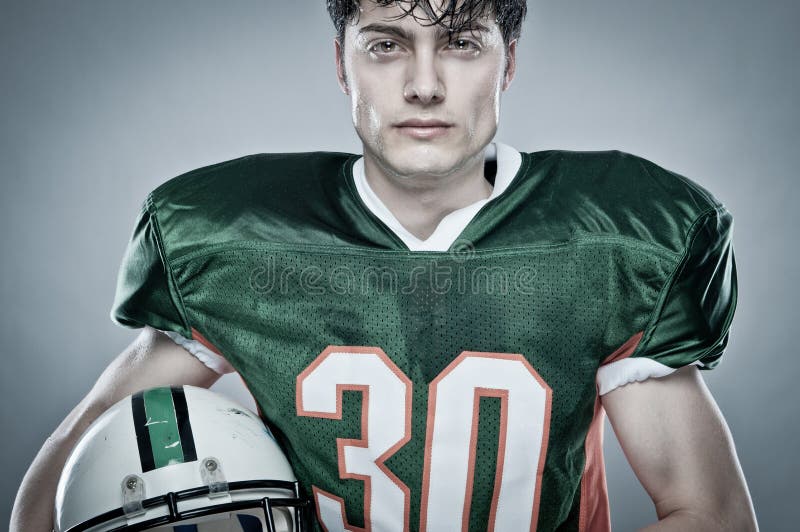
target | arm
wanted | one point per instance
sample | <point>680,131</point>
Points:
<point>680,448</point>
<point>151,360</point>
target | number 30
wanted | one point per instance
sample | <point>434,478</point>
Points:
<point>451,437</point>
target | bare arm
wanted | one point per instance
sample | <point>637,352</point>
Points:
<point>150,360</point>
<point>680,448</point>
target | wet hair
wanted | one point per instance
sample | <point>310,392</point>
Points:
<point>455,15</point>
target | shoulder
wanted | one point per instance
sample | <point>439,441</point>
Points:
<point>250,197</point>
<point>624,194</point>
<point>237,179</point>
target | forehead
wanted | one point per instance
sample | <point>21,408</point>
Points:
<point>430,14</point>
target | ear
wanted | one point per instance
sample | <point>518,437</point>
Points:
<point>511,64</point>
<point>340,73</point>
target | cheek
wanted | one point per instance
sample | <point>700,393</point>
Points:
<point>484,103</point>
<point>362,97</point>
<point>365,115</point>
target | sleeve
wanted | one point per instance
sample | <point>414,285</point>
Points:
<point>691,321</point>
<point>147,293</point>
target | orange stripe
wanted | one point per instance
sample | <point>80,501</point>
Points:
<point>595,515</point>
<point>211,347</point>
<point>200,338</point>
<point>625,350</point>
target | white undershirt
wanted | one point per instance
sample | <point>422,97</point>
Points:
<point>508,163</point>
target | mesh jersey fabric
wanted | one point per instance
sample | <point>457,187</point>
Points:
<point>585,261</point>
<point>508,161</point>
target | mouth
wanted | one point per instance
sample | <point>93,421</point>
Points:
<point>424,129</point>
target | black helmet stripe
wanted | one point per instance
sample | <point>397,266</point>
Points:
<point>184,427</point>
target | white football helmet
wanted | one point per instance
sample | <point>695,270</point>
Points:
<point>179,459</point>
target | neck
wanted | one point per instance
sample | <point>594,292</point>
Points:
<point>420,202</point>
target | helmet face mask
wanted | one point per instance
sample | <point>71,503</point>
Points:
<point>181,459</point>
<point>247,514</point>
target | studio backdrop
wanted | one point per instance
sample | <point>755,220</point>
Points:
<point>101,101</point>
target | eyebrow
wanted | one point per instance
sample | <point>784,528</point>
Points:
<point>401,33</point>
<point>397,31</point>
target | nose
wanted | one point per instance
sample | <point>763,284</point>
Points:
<point>424,84</point>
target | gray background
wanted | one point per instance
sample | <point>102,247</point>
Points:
<point>100,101</point>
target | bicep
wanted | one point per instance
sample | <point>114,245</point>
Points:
<point>678,444</point>
<point>152,359</point>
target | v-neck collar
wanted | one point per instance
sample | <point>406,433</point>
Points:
<point>453,224</point>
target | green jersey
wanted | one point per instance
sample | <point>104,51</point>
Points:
<point>419,390</point>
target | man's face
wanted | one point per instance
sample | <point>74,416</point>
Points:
<point>423,103</point>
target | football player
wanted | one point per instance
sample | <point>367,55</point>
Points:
<point>434,329</point>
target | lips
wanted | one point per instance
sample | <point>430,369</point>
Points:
<point>423,128</point>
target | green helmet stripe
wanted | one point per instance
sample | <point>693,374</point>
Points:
<point>162,425</point>
<point>163,431</point>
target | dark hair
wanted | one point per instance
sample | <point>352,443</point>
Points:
<point>453,14</point>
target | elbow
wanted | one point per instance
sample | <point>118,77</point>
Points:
<point>738,516</point>
<point>729,511</point>
<point>707,520</point>
<point>733,512</point>
<point>734,508</point>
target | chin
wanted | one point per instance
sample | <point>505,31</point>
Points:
<point>412,168</point>
<point>423,160</point>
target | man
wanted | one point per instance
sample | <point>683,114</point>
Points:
<point>480,306</point>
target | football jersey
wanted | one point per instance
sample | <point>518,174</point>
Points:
<point>429,390</point>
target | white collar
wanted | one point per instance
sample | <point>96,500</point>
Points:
<point>451,226</point>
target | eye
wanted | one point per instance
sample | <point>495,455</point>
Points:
<point>464,45</point>
<point>384,47</point>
